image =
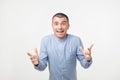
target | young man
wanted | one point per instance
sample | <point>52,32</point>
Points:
<point>60,50</point>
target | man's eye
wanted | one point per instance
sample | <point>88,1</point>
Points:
<point>55,23</point>
<point>63,23</point>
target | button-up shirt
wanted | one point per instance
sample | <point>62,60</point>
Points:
<point>60,55</point>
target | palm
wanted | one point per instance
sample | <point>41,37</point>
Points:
<point>34,58</point>
<point>87,52</point>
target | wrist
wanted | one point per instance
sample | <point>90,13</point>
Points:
<point>88,60</point>
<point>36,64</point>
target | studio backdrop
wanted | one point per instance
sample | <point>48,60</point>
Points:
<point>23,23</point>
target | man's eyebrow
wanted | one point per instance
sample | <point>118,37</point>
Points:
<point>55,22</point>
<point>64,21</point>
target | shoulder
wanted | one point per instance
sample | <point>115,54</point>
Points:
<point>46,38</point>
<point>74,37</point>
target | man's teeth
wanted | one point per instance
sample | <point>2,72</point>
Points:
<point>60,31</point>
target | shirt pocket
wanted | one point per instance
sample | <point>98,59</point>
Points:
<point>71,55</point>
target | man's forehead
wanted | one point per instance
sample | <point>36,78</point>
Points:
<point>63,19</point>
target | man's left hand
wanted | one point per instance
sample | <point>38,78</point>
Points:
<point>87,53</point>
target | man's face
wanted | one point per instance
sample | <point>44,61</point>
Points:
<point>60,27</point>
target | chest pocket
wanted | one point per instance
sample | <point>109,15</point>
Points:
<point>70,54</point>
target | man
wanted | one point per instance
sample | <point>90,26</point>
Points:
<point>60,50</point>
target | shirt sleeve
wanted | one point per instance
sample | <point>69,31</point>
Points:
<point>43,56</point>
<point>84,63</point>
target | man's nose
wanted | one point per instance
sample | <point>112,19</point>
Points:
<point>59,26</point>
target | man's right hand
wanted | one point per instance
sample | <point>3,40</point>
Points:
<point>34,57</point>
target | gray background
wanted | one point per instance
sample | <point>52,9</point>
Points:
<point>24,22</point>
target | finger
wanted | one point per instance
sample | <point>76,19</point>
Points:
<point>36,51</point>
<point>29,54</point>
<point>33,59</point>
<point>90,47</point>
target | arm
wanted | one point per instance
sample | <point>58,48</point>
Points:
<point>43,58</point>
<point>84,56</point>
<point>39,61</point>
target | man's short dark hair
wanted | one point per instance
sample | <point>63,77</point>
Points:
<point>60,15</point>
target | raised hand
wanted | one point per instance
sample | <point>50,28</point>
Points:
<point>34,57</point>
<point>87,52</point>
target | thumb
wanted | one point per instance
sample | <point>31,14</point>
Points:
<point>29,54</point>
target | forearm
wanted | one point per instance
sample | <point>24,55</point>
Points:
<point>41,66</point>
<point>85,63</point>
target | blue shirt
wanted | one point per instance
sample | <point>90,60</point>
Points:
<point>60,55</point>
